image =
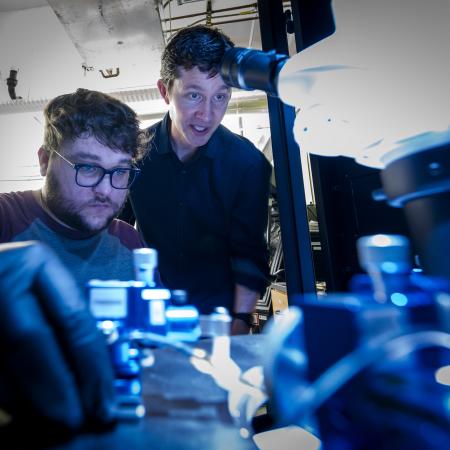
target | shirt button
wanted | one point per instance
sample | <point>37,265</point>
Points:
<point>183,172</point>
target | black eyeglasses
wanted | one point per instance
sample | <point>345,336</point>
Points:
<point>90,175</point>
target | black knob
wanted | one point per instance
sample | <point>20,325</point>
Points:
<point>179,297</point>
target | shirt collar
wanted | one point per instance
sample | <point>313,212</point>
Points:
<point>164,146</point>
<point>162,136</point>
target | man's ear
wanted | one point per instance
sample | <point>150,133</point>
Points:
<point>164,91</point>
<point>44,158</point>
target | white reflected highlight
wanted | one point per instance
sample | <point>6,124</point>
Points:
<point>377,89</point>
<point>442,376</point>
<point>287,438</point>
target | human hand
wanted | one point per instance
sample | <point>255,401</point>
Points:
<point>55,372</point>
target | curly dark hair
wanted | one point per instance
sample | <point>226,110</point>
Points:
<point>198,46</point>
<point>92,113</point>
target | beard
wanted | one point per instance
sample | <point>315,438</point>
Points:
<point>69,211</point>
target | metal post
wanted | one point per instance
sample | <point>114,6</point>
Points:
<point>290,189</point>
<point>313,21</point>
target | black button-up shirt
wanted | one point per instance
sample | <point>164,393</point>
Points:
<point>206,217</point>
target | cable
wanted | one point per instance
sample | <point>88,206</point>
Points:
<point>312,397</point>
<point>163,340</point>
<point>199,353</point>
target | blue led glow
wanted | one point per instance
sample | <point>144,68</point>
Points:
<point>389,267</point>
<point>135,387</point>
<point>399,299</point>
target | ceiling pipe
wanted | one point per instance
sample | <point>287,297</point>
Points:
<point>213,24</point>
<point>234,8</point>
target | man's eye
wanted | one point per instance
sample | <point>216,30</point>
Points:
<point>194,95</point>
<point>121,172</point>
<point>87,169</point>
<point>221,98</point>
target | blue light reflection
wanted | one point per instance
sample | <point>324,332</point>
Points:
<point>399,299</point>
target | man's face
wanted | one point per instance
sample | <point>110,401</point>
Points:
<point>197,105</point>
<point>82,208</point>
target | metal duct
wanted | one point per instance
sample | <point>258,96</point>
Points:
<point>238,105</point>
<point>127,96</point>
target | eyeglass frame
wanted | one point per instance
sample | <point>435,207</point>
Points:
<point>133,170</point>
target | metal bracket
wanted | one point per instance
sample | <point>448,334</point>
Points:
<point>110,73</point>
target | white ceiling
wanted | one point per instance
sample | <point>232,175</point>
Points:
<point>57,38</point>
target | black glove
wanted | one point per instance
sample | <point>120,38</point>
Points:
<point>55,372</point>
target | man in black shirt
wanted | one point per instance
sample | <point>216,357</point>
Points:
<point>202,198</point>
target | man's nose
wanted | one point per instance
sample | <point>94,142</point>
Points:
<point>204,110</point>
<point>104,187</point>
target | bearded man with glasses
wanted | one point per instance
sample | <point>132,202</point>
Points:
<point>91,145</point>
